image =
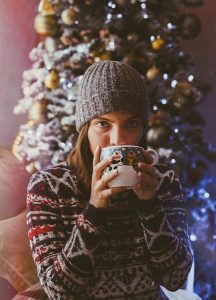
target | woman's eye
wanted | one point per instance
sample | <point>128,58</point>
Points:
<point>133,123</point>
<point>102,124</point>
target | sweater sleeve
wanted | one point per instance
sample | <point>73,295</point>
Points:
<point>164,223</point>
<point>62,238</point>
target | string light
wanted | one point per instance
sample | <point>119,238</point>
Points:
<point>163,101</point>
<point>190,78</point>
<point>174,83</point>
<point>193,237</point>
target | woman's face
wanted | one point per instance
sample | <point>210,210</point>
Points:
<point>115,128</point>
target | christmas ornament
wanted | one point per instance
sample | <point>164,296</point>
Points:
<point>46,8</point>
<point>38,111</point>
<point>180,103</point>
<point>189,26</point>
<point>68,16</point>
<point>104,56</point>
<point>52,80</point>
<point>46,25</point>
<point>158,135</point>
<point>158,44</point>
<point>182,98</point>
<point>184,88</point>
<point>152,73</point>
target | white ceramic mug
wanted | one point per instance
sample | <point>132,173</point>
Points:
<point>125,159</point>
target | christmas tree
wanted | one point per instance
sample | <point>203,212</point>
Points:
<point>147,34</point>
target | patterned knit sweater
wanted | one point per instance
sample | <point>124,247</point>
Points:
<point>124,252</point>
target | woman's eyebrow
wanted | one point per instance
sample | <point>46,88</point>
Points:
<point>110,120</point>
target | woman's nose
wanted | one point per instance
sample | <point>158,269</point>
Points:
<point>117,137</point>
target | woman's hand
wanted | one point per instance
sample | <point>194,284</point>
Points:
<point>100,193</point>
<point>146,187</point>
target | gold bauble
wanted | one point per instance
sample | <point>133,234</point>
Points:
<point>68,16</point>
<point>46,24</point>
<point>152,73</point>
<point>158,44</point>
<point>52,80</point>
<point>38,111</point>
<point>46,8</point>
<point>104,56</point>
<point>184,88</point>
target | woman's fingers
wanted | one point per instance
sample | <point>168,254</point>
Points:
<point>96,157</point>
<point>146,168</point>
<point>148,157</point>
<point>100,166</point>
<point>102,183</point>
<point>112,191</point>
<point>148,179</point>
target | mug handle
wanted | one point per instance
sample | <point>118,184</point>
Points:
<point>154,156</point>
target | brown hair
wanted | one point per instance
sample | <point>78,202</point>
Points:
<point>80,158</point>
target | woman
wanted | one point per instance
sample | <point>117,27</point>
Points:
<point>93,242</point>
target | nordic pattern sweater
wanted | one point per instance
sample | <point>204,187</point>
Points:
<point>124,252</point>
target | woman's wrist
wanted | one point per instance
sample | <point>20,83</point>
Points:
<point>96,216</point>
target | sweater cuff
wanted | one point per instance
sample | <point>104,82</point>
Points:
<point>96,216</point>
<point>147,205</point>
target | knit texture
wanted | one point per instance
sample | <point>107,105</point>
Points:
<point>110,86</point>
<point>134,250</point>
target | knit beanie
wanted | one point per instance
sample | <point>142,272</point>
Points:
<point>110,86</point>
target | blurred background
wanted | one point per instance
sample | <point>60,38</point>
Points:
<point>18,37</point>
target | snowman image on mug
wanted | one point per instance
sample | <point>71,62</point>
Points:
<point>125,159</point>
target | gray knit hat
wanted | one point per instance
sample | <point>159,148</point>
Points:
<point>110,86</point>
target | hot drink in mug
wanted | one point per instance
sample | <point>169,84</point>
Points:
<point>126,159</point>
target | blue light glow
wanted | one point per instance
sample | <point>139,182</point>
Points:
<point>193,237</point>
